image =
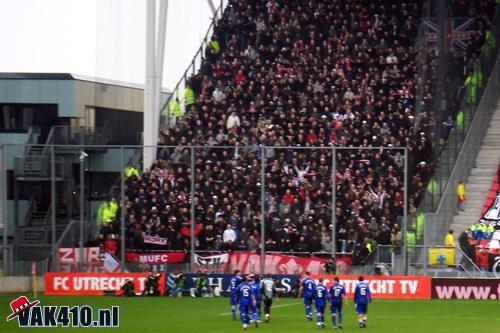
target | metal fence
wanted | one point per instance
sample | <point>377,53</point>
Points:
<point>463,91</point>
<point>419,262</point>
<point>459,156</point>
<point>66,213</point>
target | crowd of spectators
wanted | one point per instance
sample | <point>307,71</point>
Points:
<point>282,82</point>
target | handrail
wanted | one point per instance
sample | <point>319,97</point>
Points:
<point>468,136</point>
<point>463,269</point>
<point>475,269</point>
<point>458,156</point>
<point>65,232</point>
<point>291,253</point>
<point>470,261</point>
<point>48,216</point>
<point>447,156</point>
<point>29,212</point>
<point>48,142</point>
<point>29,140</point>
<point>193,66</point>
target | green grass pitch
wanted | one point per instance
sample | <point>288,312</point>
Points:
<point>211,315</point>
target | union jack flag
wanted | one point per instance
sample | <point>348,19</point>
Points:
<point>459,32</point>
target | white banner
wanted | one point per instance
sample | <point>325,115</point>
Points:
<point>215,263</point>
<point>110,263</point>
<point>155,240</point>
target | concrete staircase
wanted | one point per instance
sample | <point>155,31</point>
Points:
<point>482,175</point>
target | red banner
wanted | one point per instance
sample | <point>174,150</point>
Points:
<point>280,264</point>
<point>94,283</point>
<point>407,287</point>
<point>155,258</point>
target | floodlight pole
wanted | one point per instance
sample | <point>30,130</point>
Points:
<point>212,7</point>
<point>155,49</point>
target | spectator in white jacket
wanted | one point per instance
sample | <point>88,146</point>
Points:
<point>233,120</point>
<point>229,236</point>
<point>218,95</point>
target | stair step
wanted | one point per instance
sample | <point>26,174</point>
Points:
<point>480,178</point>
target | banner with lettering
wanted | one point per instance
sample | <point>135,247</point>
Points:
<point>248,262</point>
<point>215,263</point>
<point>403,287</point>
<point>69,259</point>
<point>94,283</point>
<point>155,240</point>
<point>469,288</point>
<point>155,258</point>
<point>284,283</point>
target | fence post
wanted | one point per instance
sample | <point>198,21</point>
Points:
<point>334,201</point>
<point>426,244</point>
<point>262,210</point>
<point>122,210</point>
<point>193,217</point>
<point>405,215</point>
<point>53,198</point>
<point>82,204</point>
<point>3,206</point>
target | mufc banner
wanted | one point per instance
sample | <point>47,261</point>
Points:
<point>155,258</point>
<point>94,283</point>
<point>402,287</point>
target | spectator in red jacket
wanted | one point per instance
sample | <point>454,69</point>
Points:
<point>111,245</point>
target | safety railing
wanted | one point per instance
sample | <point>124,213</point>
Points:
<point>192,69</point>
<point>420,261</point>
<point>79,135</point>
<point>192,155</point>
<point>37,166</point>
<point>462,161</point>
<point>6,260</point>
<point>454,90</point>
<point>457,151</point>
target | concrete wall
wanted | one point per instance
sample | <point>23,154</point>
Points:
<point>20,284</point>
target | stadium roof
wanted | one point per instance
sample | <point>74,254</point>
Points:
<point>69,76</point>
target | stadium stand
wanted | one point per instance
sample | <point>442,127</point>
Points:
<point>296,74</point>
